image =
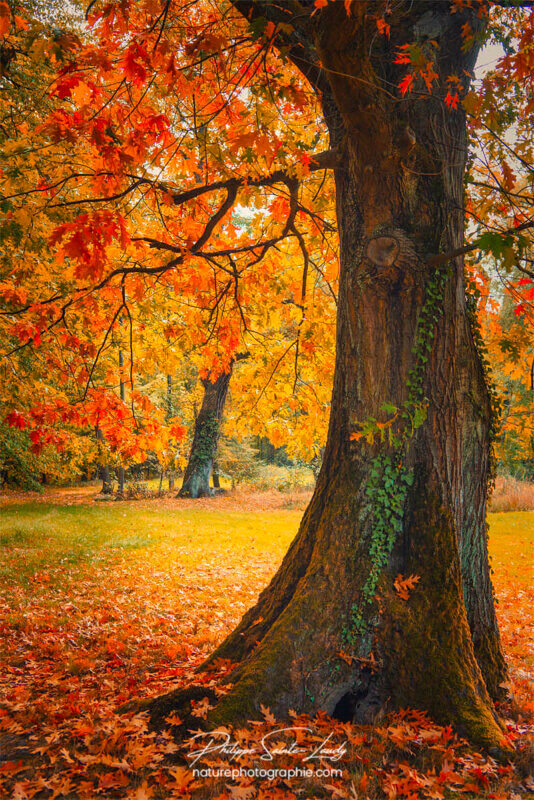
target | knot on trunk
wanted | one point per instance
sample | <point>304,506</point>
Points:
<point>383,250</point>
<point>389,260</point>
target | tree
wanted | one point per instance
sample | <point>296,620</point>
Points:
<point>404,349</point>
<point>512,357</point>
<point>402,489</point>
<point>219,309</point>
<point>196,482</point>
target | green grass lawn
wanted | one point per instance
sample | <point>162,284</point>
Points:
<point>37,536</point>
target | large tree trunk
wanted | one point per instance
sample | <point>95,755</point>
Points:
<point>414,505</point>
<point>196,481</point>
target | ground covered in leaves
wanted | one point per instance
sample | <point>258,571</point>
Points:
<point>104,602</point>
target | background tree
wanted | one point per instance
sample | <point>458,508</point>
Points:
<point>196,482</point>
<point>511,353</point>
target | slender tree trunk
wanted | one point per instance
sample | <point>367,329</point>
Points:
<point>169,415</point>
<point>196,481</point>
<point>215,476</point>
<point>120,480</point>
<point>104,471</point>
<point>120,471</point>
<point>413,504</point>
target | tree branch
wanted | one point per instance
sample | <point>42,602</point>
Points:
<point>442,258</point>
<point>295,39</point>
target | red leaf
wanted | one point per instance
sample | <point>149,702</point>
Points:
<point>451,100</point>
<point>406,84</point>
<point>16,420</point>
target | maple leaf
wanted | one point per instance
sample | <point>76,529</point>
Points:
<point>267,715</point>
<point>174,719</point>
<point>510,178</point>
<point>406,84</point>
<point>134,63</point>
<point>403,586</point>
<point>385,28</point>
<point>452,99</point>
<point>16,420</point>
<point>200,708</point>
<point>183,778</point>
<point>19,792</point>
<point>403,56</point>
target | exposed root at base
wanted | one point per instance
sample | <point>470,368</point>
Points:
<point>177,702</point>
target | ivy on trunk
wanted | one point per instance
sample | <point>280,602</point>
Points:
<point>197,475</point>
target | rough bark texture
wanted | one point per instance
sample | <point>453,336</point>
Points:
<point>399,202</point>
<point>196,481</point>
<point>471,523</point>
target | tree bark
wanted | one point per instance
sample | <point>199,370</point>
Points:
<point>121,473</point>
<point>196,481</point>
<point>414,505</point>
<point>169,415</point>
<point>216,477</point>
<point>471,523</point>
<point>104,471</point>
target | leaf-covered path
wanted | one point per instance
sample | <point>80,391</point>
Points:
<point>101,603</point>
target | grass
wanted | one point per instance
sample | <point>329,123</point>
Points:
<point>37,536</point>
<point>511,494</point>
<point>511,542</point>
<point>102,602</point>
<point>45,547</point>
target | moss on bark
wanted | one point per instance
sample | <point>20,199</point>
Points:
<point>426,641</point>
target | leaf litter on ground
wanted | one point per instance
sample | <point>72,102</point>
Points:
<point>82,637</point>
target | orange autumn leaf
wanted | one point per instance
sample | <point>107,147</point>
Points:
<point>200,708</point>
<point>403,586</point>
<point>4,19</point>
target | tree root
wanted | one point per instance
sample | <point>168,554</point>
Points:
<point>177,702</point>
